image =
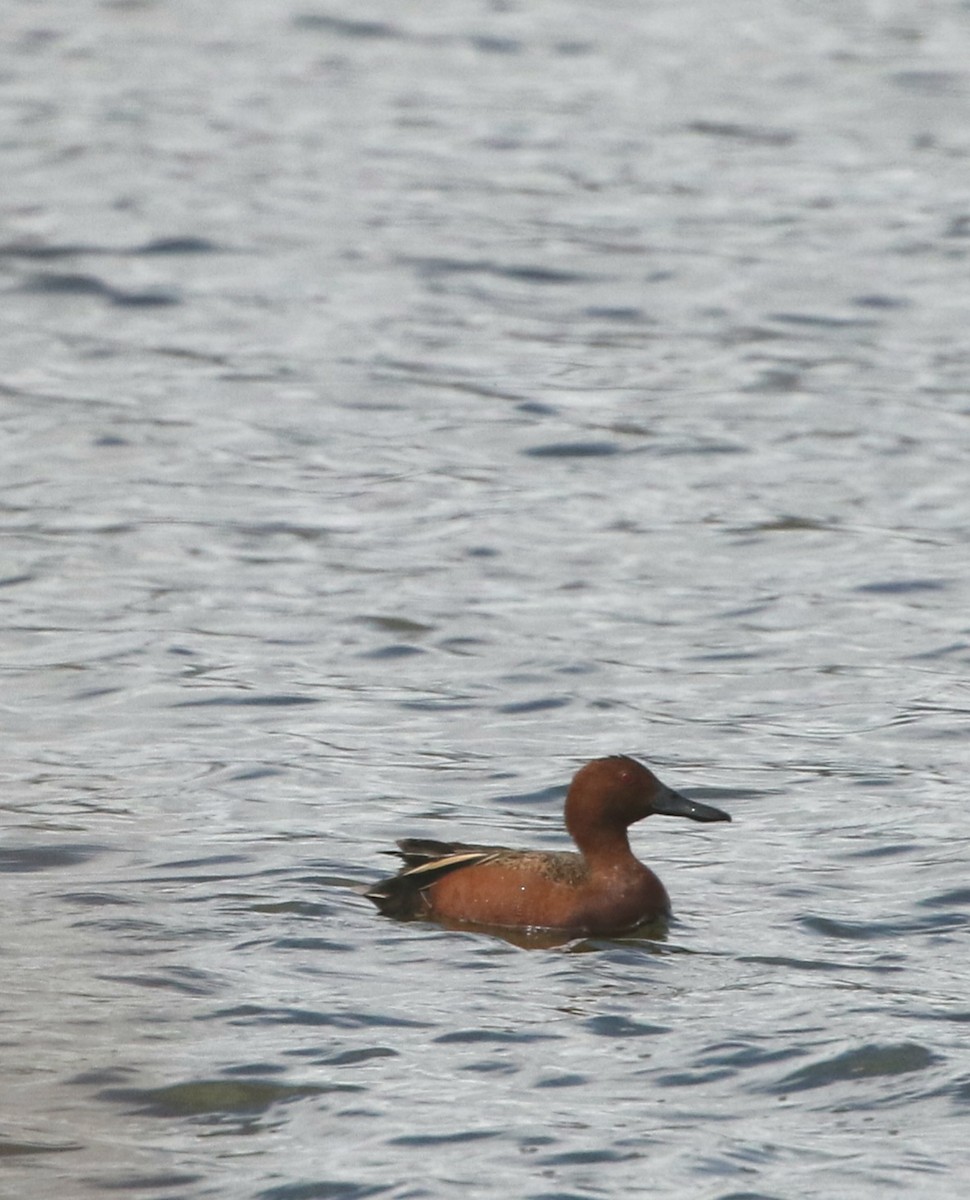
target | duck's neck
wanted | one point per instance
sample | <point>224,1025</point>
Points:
<point>604,848</point>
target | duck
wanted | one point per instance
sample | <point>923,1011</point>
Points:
<point>599,889</point>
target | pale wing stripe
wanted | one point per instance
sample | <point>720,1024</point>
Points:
<point>451,860</point>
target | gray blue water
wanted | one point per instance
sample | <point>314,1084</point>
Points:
<point>401,404</point>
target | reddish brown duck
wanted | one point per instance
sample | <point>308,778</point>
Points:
<point>603,889</point>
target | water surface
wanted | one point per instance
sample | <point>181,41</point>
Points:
<point>402,404</point>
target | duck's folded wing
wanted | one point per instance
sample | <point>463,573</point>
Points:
<point>400,895</point>
<point>418,851</point>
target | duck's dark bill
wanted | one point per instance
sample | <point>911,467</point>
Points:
<point>672,804</point>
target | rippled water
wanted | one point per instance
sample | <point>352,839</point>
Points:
<point>401,404</point>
